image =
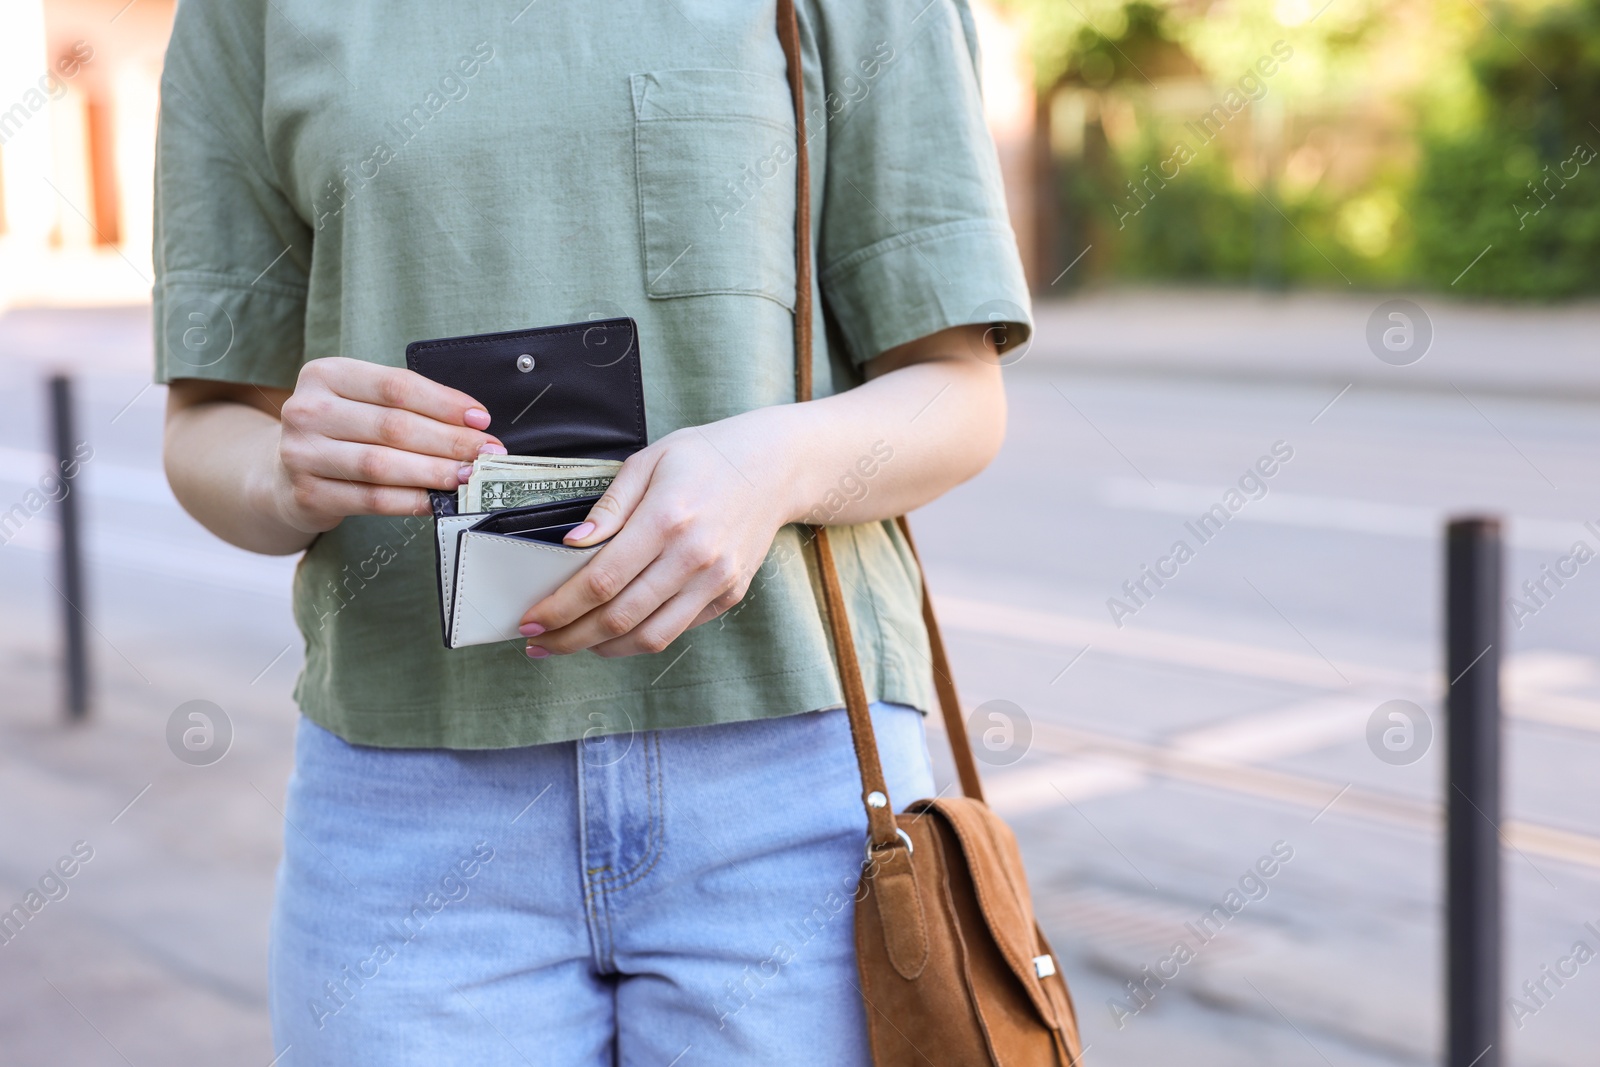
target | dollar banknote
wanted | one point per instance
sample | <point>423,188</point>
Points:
<point>496,494</point>
<point>500,482</point>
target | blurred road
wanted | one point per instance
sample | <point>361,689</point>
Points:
<point>1152,767</point>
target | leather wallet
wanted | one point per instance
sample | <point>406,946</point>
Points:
<point>572,390</point>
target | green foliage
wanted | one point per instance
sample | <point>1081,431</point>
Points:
<point>1139,29</point>
<point>1472,124</point>
<point>1208,222</point>
<point>1522,181</point>
<point>1206,225</point>
<point>1195,227</point>
<point>1476,192</point>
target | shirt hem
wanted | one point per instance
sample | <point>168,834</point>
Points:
<point>756,696</point>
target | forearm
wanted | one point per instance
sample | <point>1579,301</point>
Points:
<point>222,462</point>
<point>888,446</point>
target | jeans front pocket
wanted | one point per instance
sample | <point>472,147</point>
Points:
<point>714,153</point>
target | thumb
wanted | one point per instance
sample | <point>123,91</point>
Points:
<point>621,497</point>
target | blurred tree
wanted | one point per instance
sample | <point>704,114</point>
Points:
<point>1398,143</point>
<point>1514,176</point>
<point>1125,87</point>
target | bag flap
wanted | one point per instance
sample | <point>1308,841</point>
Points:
<point>995,865</point>
<point>569,390</point>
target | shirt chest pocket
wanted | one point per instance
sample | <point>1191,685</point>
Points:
<point>714,153</point>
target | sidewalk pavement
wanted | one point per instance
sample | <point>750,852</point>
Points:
<point>1542,351</point>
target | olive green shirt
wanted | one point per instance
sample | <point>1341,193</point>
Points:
<point>339,179</point>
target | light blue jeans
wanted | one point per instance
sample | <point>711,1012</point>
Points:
<point>680,897</point>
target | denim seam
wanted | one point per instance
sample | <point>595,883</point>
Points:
<point>655,846</point>
<point>608,963</point>
<point>599,923</point>
<point>589,873</point>
<point>604,878</point>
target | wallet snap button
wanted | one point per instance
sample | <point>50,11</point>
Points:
<point>524,363</point>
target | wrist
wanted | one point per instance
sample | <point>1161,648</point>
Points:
<point>791,459</point>
<point>269,494</point>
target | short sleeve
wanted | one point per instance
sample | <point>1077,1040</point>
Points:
<point>232,255</point>
<point>915,237</point>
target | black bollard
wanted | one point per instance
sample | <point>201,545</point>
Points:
<point>1472,865</point>
<point>75,652</point>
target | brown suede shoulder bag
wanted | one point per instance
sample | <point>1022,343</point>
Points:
<point>954,969</point>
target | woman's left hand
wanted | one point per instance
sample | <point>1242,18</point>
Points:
<point>691,518</point>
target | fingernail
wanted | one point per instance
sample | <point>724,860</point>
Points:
<point>477,418</point>
<point>489,448</point>
<point>464,472</point>
<point>530,629</point>
<point>579,532</point>
<point>535,652</point>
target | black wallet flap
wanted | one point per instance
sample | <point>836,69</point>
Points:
<point>569,390</point>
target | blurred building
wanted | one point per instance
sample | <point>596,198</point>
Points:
<point>79,89</point>
<point>79,92</point>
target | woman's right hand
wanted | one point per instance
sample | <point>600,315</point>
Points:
<point>360,438</point>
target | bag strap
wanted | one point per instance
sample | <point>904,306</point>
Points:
<point>944,683</point>
<point>880,816</point>
<point>789,37</point>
